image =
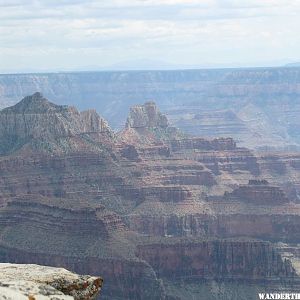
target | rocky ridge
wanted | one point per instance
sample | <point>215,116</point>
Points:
<point>41,124</point>
<point>258,107</point>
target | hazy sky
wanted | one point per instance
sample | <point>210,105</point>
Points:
<point>71,34</point>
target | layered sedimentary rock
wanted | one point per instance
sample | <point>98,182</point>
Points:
<point>146,115</point>
<point>220,219</point>
<point>258,107</point>
<point>42,124</point>
<point>146,125</point>
<point>219,156</point>
<point>97,202</point>
<point>234,214</point>
<point>35,117</point>
<point>259,192</point>
<point>40,282</point>
<point>282,169</point>
<point>203,144</point>
<point>222,266</point>
<point>252,260</point>
<point>79,220</point>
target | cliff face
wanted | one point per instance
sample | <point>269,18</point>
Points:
<point>143,206</point>
<point>223,259</point>
<point>259,193</point>
<point>146,125</point>
<point>266,226</point>
<point>146,116</point>
<point>35,120</point>
<point>203,144</point>
<point>124,278</point>
<point>39,282</point>
<point>231,269</point>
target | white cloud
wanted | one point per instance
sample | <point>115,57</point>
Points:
<point>72,32</point>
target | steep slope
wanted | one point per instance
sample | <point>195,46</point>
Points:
<point>36,123</point>
<point>146,125</point>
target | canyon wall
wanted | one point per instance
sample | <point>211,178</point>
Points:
<point>148,207</point>
<point>246,104</point>
<point>223,259</point>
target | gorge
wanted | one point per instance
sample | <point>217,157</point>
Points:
<point>258,107</point>
<point>155,211</point>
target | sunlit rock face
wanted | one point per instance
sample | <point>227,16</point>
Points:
<point>146,125</point>
<point>146,115</point>
<point>30,282</point>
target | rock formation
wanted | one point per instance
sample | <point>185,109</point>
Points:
<point>43,125</point>
<point>146,116</point>
<point>257,107</point>
<point>252,260</point>
<point>156,212</point>
<point>259,192</point>
<point>204,144</point>
<point>30,282</point>
<point>146,125</point>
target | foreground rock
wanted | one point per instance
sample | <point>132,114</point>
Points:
<point>36,282</point>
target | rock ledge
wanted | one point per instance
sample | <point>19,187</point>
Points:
<point>34,282</point>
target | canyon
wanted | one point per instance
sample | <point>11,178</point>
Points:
<point>258,107</point>
<point>155,211</point>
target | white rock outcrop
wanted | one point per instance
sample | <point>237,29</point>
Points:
<point>34,282</point>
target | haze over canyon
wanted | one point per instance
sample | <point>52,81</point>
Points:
<point>258,107</point>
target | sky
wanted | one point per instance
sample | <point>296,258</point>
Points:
<point>61,35</point>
